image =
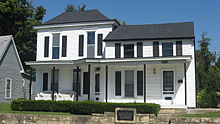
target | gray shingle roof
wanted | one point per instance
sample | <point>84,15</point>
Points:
<point>78,16</point>
<point>4,41</point>
<point>152,31</point>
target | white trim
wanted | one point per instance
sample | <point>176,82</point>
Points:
<point>110,22</point>
<point>6,88</point>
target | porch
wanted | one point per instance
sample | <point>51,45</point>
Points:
<point>160,80</point>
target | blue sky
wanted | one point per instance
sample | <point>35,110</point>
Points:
<point>204,13</point>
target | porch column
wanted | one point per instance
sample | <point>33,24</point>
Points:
<point>106,83</point>
<point>89,71</point>
<point>185,84</point>
<point>144,83</point>
<point>31,75</point>
<point>77,83</point>
<point>53,79</point>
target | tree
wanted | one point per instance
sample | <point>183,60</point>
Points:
<point>121,23</point>
<point>17,18</point>
<point>72,8</point>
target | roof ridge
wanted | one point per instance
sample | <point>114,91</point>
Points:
<point>159,24</point>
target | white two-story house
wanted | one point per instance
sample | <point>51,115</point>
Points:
<point>104,61</point>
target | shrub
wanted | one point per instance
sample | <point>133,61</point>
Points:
<point>81,107</point>
<point>206,99</point>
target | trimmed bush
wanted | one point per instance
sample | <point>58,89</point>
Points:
<point>81,107</point>
<point>207,99</point>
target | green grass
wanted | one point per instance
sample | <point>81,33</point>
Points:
<point>209,114</point>
<point>5,108</point>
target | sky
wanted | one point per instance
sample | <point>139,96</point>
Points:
<point>204,13</point>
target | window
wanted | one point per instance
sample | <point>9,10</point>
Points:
<point>64,46</point>
<point>45,81</point>
<point>167,49</point>
<point>46,46</point>
<point>168,81</point>
<point>8,83</point>
<point>129,51</point>
<point>117,50</point>
<point>178,48</point>
<point>91,45</point>
<point>139,83</point>
<point>99,51</point>
<point>139,49</point>
<point>129,83</point>
<point>97,83</point>
<point>55,84</point>
<point>155,49</point>
<point>56,46</point>
<point>75,81</point>
<point>91,38</point>
<point>81,43</point>
<point>86,85</point>
<point>118,83</point>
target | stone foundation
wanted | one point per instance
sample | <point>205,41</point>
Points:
<point>107,118</point>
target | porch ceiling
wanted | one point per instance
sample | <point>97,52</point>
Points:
<point>146,60</point>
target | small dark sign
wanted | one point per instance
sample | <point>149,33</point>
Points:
<point>125,115</point>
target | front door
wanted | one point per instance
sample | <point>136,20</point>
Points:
<point>168,85</point>
<point>86,83</point>
<point>55,84</point>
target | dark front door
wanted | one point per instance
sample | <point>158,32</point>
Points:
<point>55,84</point>
<point>86,83</point>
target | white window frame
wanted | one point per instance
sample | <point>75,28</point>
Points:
<point>174,80</point>
<point>6,88</point>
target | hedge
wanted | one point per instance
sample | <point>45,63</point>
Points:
<point>81,107</point>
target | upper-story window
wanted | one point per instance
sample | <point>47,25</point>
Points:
<point>81,44</point>
<point>167,49</point>
<point>155,49</point>
<point>46,46</point>
<point>129,51</point>
<point>99,47</point>
<point>139,49</point>
<point>90,44</point>
<point>56,46</point>
<point>64,46</point>
<point>91,37</point>
<point>117,50</point>
<point>178,48</point>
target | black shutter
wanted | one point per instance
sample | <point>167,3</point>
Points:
<point>117,50</point>
<point>155,49</point>
<point>99,51</point>
<point>64,46</point>
<point>118,83</point>
<point>45,81</point>
<point>178,48</point>
<point>139,83</point>
<point>46,47</point>
<point>140,49</point>
<point>86,84</point>
<point>81,43</point>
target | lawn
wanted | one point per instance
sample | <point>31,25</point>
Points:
<point>5,108</point>
<point>209,114</point>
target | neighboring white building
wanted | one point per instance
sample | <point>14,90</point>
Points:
<point>116,63</point>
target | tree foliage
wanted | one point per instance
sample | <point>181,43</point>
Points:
<point>17,18</point>
<point>72,8</point>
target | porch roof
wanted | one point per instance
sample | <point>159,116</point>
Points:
<point>110,60</point>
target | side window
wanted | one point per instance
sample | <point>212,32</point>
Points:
<point>139,49</point>
<point>64,46</point>
<point>46,46</point>
<point>81,43</point>
<point>100,38</point>
<point>97,83</point>
<point>8,84</point>
<point>117,50</point>
<point>155,49</point>
<point>178,48</point>
<point>56,46</point>
<point>139,83</point>
<point>118,83</point>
